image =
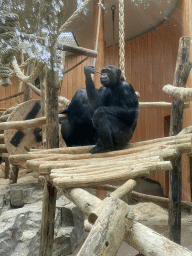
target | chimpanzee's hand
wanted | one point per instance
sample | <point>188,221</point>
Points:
<point>89,69</point>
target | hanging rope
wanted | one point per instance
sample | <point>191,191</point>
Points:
<point>74,16</point>
<point>122,37</point>
<point>113,8</point>
<point>100,5</point>
<point>8,44</point>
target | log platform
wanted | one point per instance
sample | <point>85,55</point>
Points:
<point>70,170</point>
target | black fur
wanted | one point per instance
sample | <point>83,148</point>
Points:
<point>106,116</point>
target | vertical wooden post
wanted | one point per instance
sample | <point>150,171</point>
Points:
<point>13,174</point>
<point>7,168</point>
<point>52,141</point>
<point>180,79</point>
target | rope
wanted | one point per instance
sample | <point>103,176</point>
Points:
<point>74,15</point>
<point>121,37</point>
<point>100,5</point>
<point>8,44</point>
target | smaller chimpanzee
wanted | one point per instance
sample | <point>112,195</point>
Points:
<point>106,116</point>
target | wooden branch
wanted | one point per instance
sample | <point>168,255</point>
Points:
<point>64,47</point>
<point>110,229</point>
<point>82,199</point>
<point>139,236</point>
<point>26,124</point>
<point>144,197</point>
<point>157,199</point>
<point>76,65</point>
<point>20,76</point>
<point>179,92</point>
<point>165,105</point>
<point>118,193</point>
<point>11,96</point>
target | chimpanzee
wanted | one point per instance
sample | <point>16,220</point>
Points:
<point>106,116</point>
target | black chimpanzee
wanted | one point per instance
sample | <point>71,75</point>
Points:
<point>106,117</point>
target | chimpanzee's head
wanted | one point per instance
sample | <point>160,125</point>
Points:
<point>111,76</point>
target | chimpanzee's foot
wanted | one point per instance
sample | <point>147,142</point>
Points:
<point>99,148</point>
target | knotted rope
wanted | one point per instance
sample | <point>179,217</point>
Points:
<point>8,44</point>
<point>122,37</point>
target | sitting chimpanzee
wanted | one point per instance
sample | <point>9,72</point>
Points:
<point>106,116</point>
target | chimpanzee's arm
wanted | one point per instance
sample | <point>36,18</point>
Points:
<point>92,92</point>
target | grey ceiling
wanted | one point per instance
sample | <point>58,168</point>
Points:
<point>141,16</point>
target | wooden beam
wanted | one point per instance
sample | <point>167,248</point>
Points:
<point>180,79</point>
<point>110,229</point>
<point>118,193</point>
<point>166,105</point>
<point>27,123</point>
<point>178,92</point>
<point>52,141</point>
<point>11,96</point>
<point>63,47</point>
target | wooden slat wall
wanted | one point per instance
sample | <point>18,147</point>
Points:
<point>150,64</point>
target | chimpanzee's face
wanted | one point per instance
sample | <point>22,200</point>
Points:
<point>110,76</point>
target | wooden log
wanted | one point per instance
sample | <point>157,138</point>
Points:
<point>47,222</point>
<point>166,154</point>
<point>178,92</point>
<point>3,148</point>
<point>86,165</point>
<point>1,138</point>
<point>182,71</point>
<point>147,241</point>
<point>52,141</point>
<point>7,168</point>
<point>139,236</point>
<point>144,197</point>
<point>118,193</point>
<point>92,169</point>
<point>65,47</point>
<point>109,230</point>
<point>164,105</point>
<point>118,175</point>
<point>13,174</point>
<point>82,199</point>
<point>157,199</point>
<point>11,96</point>
<point>86,149</point>
<point>25,124</point>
